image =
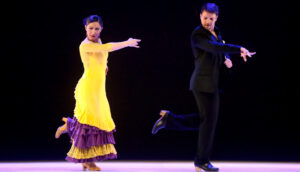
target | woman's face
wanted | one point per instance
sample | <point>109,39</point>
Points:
<point>93,31</point>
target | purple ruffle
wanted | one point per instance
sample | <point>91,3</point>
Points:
<point>86,136</point>
<point>98,158</point>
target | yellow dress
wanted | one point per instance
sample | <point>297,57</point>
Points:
<point>92,126</point>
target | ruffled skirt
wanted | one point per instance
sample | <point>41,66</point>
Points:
<point>89,144</point>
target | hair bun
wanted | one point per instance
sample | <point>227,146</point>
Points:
<point>93,18</point>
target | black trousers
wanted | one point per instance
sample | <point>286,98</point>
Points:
<point>205,121</point>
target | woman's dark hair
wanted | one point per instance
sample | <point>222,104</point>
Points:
<point>210,7</point>
<point>93,18</point>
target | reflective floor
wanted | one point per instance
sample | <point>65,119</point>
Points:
<point>148,166</point>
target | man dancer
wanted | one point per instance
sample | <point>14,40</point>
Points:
<point>209,52</point>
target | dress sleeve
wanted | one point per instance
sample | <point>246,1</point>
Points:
<point>90,48</point>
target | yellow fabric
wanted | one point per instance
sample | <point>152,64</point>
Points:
<point>92,107</point>
<point>92,152</point>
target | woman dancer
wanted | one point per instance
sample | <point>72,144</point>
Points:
<point>91,129</point>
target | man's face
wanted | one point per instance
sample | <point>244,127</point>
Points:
<point>208,20</point>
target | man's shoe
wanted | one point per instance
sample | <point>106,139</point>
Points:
<point>207,167</point>
<point>160,124</point>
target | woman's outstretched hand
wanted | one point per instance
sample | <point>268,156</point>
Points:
<point>133,42</point>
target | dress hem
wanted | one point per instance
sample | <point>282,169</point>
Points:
<point>98,158</point>
<point>86,136</point>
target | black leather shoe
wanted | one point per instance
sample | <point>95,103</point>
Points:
<point>207,167</point>
<point>160,124</point>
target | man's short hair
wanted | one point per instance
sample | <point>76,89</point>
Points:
<point>210,7</point>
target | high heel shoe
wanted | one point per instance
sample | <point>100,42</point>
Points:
<point>197,169</point>
<point>90,166</point>
<point>84,166</point>
<point>62,129</point>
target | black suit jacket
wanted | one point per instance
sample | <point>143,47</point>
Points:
<point>209,53</point>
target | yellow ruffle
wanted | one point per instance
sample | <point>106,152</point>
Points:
<point>92,152</point>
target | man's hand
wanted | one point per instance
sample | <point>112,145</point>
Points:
<point>245,53</point>
<point>228,63</point>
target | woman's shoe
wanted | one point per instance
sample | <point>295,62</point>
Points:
<point>84,166</point>
<point>90,166</point>
<point>62,129</point>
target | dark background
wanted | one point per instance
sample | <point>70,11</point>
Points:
<point>41,66</point>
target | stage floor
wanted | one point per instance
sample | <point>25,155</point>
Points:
<point>148,166</point>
